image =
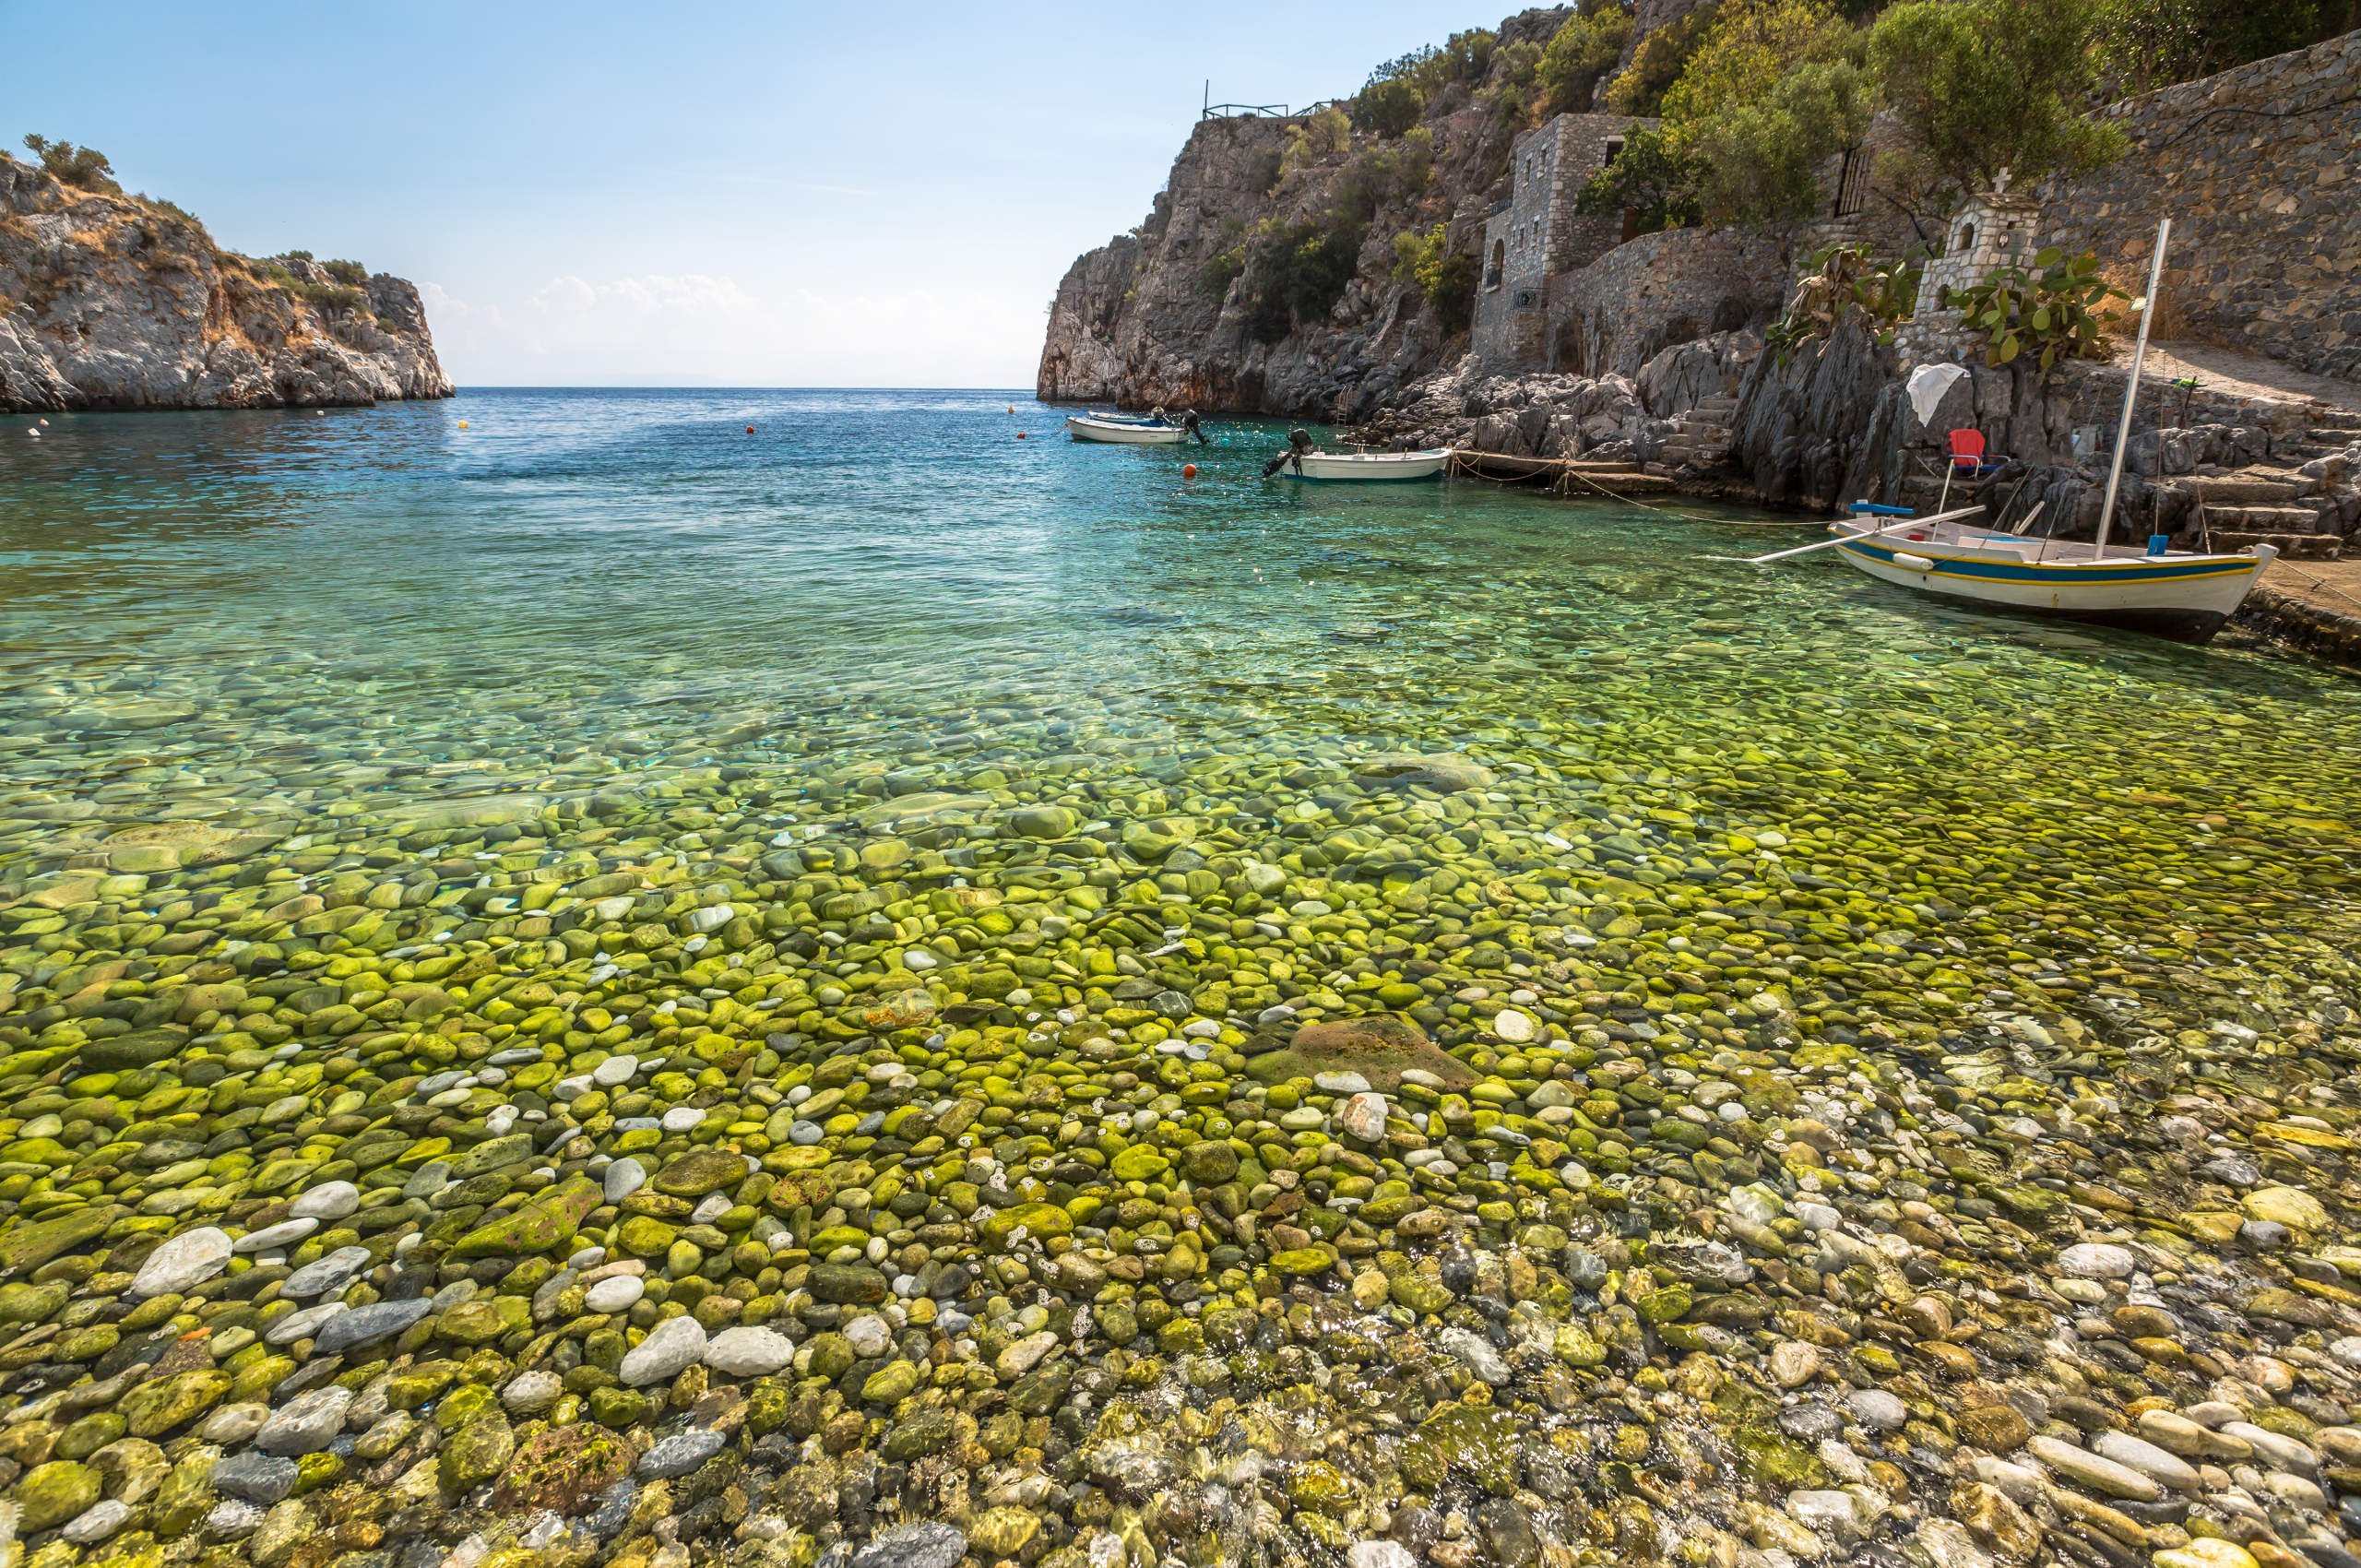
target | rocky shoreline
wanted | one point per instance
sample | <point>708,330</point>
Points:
<point>108,301</point>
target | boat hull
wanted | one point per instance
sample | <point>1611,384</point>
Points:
<point>1368,468</point>
<point>2184,599</point>
<point>1122,433</point>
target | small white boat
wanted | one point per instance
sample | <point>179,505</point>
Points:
<point>2179,595</point>
<point>1367,465</point>
<point>1124,431</point>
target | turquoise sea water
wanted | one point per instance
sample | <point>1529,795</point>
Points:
<point>983,873</point>
<point>324,630</point>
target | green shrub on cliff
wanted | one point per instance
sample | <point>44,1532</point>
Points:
<point>2151,43</point>
<point>1397,93</point>
<point>1982,86</point>
<point>1297,272</point>
<point>1657,64</point>
<point>1580,52</point>
<point>1387,106</point>
<point>1445,274</point>
<point>1219,271</point>
<point>86,168</point>
<point>1324,134</point>
<point>1769,91</point>
<point>1775,89</point>
<point>351,273</point>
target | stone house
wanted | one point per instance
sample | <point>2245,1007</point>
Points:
<point>1536,233</point>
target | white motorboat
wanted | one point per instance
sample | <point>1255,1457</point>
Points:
<point>2176,594</point>
<point>1123,432</point>
<point>1366,465</point>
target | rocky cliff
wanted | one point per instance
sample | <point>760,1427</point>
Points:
<point>114,301</point>
<point>1204,304</point>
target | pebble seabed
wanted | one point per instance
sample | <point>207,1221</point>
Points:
<point>1062,1141</point>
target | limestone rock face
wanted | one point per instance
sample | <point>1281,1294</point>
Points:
<point>111,302</point>
<point>1141,320</point>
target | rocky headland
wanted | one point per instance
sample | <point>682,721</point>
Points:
<point>1560,339</point>
<point>111,300</point>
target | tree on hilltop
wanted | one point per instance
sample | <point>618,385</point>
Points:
<point>84,167</point>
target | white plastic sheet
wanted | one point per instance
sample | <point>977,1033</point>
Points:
<point>1927,386</point>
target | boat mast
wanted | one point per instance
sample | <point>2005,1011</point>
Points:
<point>2131,391</point>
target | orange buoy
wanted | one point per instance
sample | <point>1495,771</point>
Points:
<point>1188,471</point>
<point>750,430</point>
<point>1020,435</point>
<point>463,424</point>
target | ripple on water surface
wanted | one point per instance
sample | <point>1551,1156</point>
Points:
<point>1279,1009</point>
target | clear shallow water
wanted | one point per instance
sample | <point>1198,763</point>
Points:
<point>408,787</point>
<point>585,587</point>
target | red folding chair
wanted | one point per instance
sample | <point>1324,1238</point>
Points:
<point>1967,454</point>
<point>1967,462</point>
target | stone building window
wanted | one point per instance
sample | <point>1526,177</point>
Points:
<point>1493,273</point>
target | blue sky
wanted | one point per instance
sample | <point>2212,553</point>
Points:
<point>685,195</point>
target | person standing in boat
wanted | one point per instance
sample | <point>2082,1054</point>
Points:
<point>1189,422</point>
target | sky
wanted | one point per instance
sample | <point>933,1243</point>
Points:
<point>685,195</point>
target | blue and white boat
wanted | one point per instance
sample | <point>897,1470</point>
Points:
<point>2183,596</point>
<point>2178,594</point>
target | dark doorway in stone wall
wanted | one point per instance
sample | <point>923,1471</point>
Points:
<point>1493,274</point>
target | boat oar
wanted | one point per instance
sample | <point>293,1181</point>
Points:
<point>1846,538</point>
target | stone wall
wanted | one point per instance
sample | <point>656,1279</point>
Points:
<point>1661,290</point>
<point>1537,233</point>
<point>2256,167</point>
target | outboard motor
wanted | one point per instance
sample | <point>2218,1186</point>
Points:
<point>1298,445</point>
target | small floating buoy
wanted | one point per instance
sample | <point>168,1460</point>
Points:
<point>44,424</point>
<point>1188,471</point>
<point>33,431</point>
<point>1012,407</point>
<point>750,430</point>
<point>1020,435</point>
<point>463,424</point>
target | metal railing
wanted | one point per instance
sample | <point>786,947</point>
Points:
<point>1212,111</point>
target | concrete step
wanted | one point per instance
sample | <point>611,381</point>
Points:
<point>2247,485</point>
<point>2267,519</point>
<point>2295,546</point>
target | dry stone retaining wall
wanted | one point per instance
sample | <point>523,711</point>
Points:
<point>2256,169</point>
<point>1664,288</point>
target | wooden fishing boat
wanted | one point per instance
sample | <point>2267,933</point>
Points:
<point>1123,432</point>
<point>2182,595</point>
<point>2179,595</point>
<point>1366,466</point>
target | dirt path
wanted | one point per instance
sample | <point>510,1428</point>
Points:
<point>2332,586</point>
<point>2242,376</point>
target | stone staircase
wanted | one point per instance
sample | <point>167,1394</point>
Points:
<point>2277,504</point>
<point>1700,437</point>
